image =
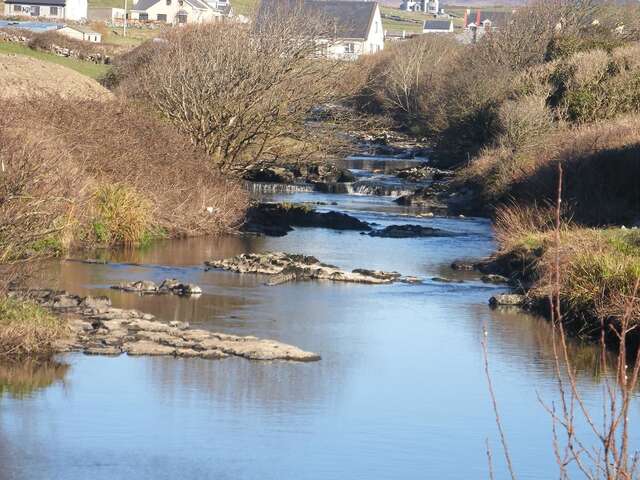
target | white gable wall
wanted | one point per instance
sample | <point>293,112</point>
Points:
<point>194,15</point>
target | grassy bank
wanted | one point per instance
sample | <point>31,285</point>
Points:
<point>89,69</point>
<point>26,329</point>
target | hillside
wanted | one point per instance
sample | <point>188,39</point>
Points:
<point>22,76</point>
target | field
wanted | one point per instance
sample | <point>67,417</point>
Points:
<point>88,69</point>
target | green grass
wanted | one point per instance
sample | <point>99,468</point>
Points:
<point>89,69</point>
<point>26,329</point>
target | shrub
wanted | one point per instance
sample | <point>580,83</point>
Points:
<point>57,153</point>
<point>26,329</point>
<point>122,215</point>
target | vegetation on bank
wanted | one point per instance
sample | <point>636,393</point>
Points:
<point>89,173</point>
<point>27,329</point>
<point>92,70</point>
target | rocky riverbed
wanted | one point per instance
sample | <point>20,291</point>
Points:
<point>97,328</point>
<point>286,267</point>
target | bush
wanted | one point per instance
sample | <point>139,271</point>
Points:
<point>73,165</point>
<point>26,329</point>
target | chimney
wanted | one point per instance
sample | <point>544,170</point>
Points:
<point>466,12</point>
<point>478,17</point>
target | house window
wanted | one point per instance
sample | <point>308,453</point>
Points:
<point>35,11</point>
<point>162,17</point>
<point>53,11</point>
<point>17,8</point>
<point>182,18</point>
<point>168,2</point>
<point>349,48</point>
<point>375,25</point>
<point>143,16</point>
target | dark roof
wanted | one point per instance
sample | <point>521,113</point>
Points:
<point>144,4</point>
<point>351,19</point>
<point>437,25</point>
<point>497,19</point>
<point>53,3</point>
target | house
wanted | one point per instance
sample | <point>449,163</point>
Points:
<point>357,25</point>
<point>81,32</point>
<point>106,14</point>
<point>178,11</point>
<point>437,26</point>
<point>53,9</point>
<point>484,19</point>
<point>427,6</point>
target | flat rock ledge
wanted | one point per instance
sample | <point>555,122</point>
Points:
<point>287,267</point>
<point>170,285</point>
<point>97,328</point>
<point>409,231</point>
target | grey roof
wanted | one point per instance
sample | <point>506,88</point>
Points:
<point>351,19</point>
<point>437,25</point>
<point>144,4</point>
<point>53,3</point>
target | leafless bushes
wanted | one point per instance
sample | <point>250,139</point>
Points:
<point>239,92</point>
<point>604,450</point>
<point>60,157</point>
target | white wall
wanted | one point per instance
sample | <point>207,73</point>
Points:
<point>171,11</point>
<point>76,10</point>
<point>25,11</point>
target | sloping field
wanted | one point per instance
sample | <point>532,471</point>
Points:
<point>22,76</point>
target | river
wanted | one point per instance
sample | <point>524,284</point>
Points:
<point>400,391</point>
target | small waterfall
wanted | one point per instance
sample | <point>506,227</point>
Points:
<point>365,187</point>
<point>262,188</point>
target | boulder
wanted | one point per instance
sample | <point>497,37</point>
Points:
<point>494,278</point>
<point>286,267</point>
<point>507,299</point>
<point>463,265</point>
<point>169,285</point>
<point>409,231</point>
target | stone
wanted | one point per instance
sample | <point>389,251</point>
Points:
<point>141,286</point>
<point>277,219</point>
<point>287,267</point>
<point>507,299</point>
<point>169,285</point>
<point>146,347</point>
<point>65,301</point>
<point>446,280</point>
<point>96,303</point>
<point>179,325</point>
<point>462,265</point>
<point>106,350</point>
<point>494,278</point>
<point>409,231</point>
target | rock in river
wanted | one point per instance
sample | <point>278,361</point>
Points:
<point>97,328</point>
<point>170,285</point>
<point>409,231</point>
<point>276,219</point>
<point>286,267</point>
<point>507,299</point>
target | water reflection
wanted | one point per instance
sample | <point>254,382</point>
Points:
<point>20,379</point>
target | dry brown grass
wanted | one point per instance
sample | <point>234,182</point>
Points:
<point>26,329</point>
<point>61,156</point>
<point>26,77</point>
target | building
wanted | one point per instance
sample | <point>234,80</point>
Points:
<point>427,6</point>
<point>357,25</point>
<point>179,11</point>
<point>106,14</point>
<point>81,32</point>
<point>52,9</point>
<point>437,26</point>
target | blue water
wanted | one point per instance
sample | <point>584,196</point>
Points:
<point>399,393</point>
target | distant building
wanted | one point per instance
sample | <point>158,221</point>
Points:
<point>179,11</point>
<point>357,25</point>
<point>427,6</point>
<point>81,32</point>
<point>53,9</point>
<point>478,23</point>
<point>106,14</point>
<point>437,26</point>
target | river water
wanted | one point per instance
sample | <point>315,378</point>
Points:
<point>400,391</point>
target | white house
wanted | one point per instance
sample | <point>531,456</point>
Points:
<point>437,26</point>
<point>53,9</point>
<point>179,11</point>
<point>81,32</point>
<point>427,6</point>
<point>357,25</point>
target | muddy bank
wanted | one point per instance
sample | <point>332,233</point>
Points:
<point>97,328</point>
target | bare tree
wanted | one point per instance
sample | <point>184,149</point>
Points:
<point>242,91</point>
